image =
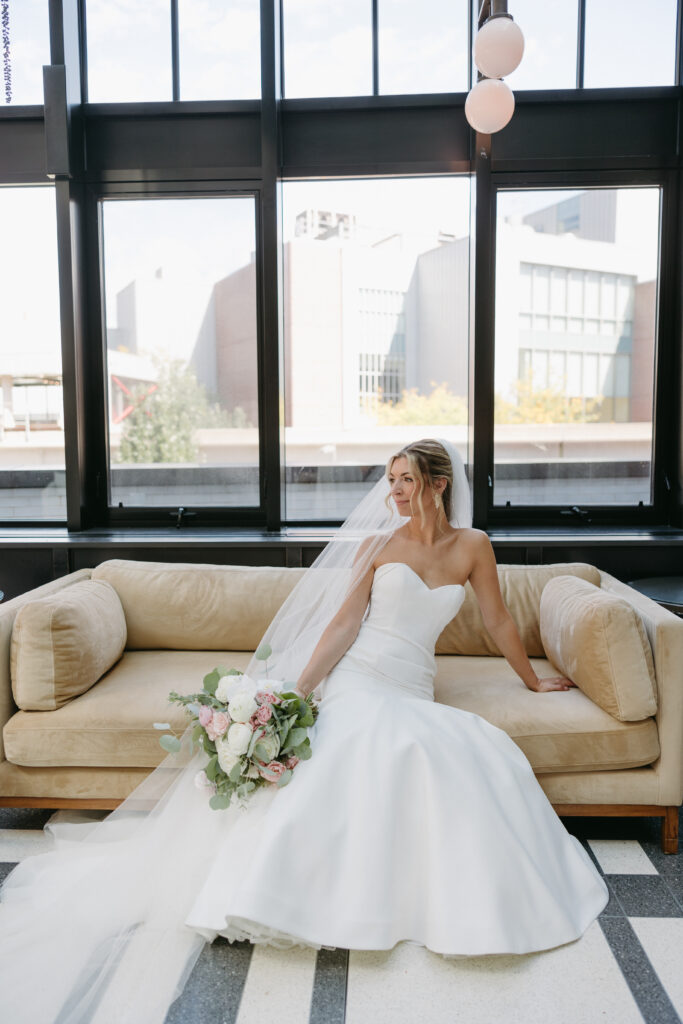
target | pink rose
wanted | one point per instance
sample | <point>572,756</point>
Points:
<point>218,726</point>
<point>264,714</point>
<point>292,761</point>
<point>205,715</point>
<point>272,771</point>
<point>266,697</point>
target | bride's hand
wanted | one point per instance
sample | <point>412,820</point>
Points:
<point>553,683</point>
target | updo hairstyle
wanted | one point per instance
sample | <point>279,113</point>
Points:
<point>427,459</point>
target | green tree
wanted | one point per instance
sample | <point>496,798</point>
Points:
<point>438,408</point>
<point>162,426</point>
<point>544,405</point>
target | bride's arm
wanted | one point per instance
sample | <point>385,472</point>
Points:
<point>338,636</point>
<point>497,618</point>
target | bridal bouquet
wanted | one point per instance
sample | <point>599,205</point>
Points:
<point>253,734</point>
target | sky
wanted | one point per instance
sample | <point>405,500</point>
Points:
<point>328,48</point>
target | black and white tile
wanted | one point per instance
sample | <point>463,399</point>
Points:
<point>627,967</point>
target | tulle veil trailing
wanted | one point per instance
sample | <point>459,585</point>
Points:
<point>93,931</point>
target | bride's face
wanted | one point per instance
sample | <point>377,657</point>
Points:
<point>403,485</point>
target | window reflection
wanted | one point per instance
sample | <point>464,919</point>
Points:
<point>376,330</point>
<point>26,32</point>
<point>32,484</point>
<point>422,47</point>
<point>574,389</point>
<point>180,279</point>
<point>129,51</point>
<point>219,49</point>
<point>327,48</point>
<point>632,45</point>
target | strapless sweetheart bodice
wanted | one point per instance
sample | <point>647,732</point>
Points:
<point>396,640</point>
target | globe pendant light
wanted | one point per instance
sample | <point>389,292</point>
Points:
<point>498,50</point>
<point>489,106</point>
<point>498,47</point>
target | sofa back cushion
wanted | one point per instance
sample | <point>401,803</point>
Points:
<point>63,643</point>
<point>521,587</point>
<point>194,607</point>
<point>599,642</point>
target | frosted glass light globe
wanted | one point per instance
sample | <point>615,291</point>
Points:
<point>498,47</point>
<point>489,106</point>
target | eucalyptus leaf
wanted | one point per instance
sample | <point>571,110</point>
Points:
<point>211,769</point>
<point>220,801</point>
<point>209,745</point>
<point>211,682</point>
<point>234,672</point>
<point>284,778</point>
<point>303,752</point>
<point>261,753</point>
<point>296,737</point>
<point>235,773</point>
<point>197,732</point>
<point>170,743</point>
<point>222,670</point>
<point>263,652</point>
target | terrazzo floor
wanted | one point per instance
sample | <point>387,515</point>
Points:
<point>627,967</point>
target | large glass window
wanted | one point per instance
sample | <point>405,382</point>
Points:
<point>24,48</point>
<point>632,43</point>
<point>422,47</point>
<point>219,49</point>
<point>576,313</point>
<point>327,48</point>
<point>180,298</point>
<point>376,308</point>
<point>550,36</point>
<point>32,484</point>
<point>129,51</point>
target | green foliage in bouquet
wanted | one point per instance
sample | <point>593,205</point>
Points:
<point>252,735</point>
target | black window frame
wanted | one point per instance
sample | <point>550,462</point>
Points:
<point>336,137</point>
<point>108,515</point>
<point>664,375</point>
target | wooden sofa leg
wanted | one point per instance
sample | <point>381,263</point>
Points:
<point>670,830</point>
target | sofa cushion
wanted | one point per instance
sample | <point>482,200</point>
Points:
<point>521,587</point>
<point>559,731</point>
<point>63,643</point>
<point>112,725</point>
<point>191,607</point>
<point>599,642</point>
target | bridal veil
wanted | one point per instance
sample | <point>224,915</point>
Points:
<point>93,931</point>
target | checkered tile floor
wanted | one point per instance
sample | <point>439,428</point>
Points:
<point>627,967</point>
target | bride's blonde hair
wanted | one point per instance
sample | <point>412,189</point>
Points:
<point>427,459</point>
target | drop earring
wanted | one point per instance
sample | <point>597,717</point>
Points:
<point>437,501</point>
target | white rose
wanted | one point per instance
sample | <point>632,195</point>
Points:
<point>226,687</point>
<point>271,744</point>
<point>242,706</point>
<point>238,737</point>
<point>226,758</point>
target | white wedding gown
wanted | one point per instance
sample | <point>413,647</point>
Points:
<point>412,821</point>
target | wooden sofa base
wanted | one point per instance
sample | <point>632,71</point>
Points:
<point>669,815</point>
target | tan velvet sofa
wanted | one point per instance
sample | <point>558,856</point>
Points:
<point>143,628</point>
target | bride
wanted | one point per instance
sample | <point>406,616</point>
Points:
<point>413,821</point>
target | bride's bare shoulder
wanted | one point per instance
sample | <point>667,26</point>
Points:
<point>476,547</point>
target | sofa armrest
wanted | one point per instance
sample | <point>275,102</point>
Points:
<point>665,633</point>
<point>8,613</point>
